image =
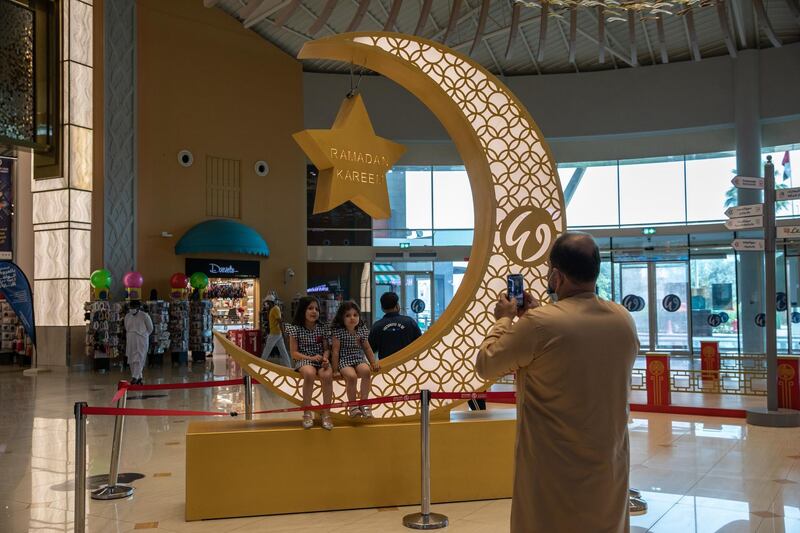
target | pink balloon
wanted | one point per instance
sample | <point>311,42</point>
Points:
<point>133,280</point>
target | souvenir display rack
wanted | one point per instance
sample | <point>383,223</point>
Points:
<point>200,326</point>
<point>160,338</point>
<point>179,326</point>
<point>105,332</point>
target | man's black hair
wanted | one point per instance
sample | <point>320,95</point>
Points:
<point>576,256</point>
<point>389,301</point>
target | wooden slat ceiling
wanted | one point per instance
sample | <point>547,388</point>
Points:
<point>290,23</point>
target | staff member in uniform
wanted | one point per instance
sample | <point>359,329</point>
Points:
<point>394,331</point>
<point>573,361</point>
<point>138,327</point>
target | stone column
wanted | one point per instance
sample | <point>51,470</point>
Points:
<point>746,81</point>
<point>62,206</point>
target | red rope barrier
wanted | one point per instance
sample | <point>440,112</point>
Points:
<point>494,397</point>
<point>132,411</point>
<point>371,401</point>
<point>124,385</point>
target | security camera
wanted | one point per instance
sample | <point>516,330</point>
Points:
<point>262,168</point>
<point>185,158</point>
<point>288,275</point>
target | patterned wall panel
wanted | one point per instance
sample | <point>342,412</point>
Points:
<point>120,138</point>
<point>16,73</point>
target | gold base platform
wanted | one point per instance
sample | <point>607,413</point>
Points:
<point>240,468</point>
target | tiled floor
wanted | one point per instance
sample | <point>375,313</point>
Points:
<point>698,474</point>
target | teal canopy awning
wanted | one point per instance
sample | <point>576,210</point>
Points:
<point>223,236</point>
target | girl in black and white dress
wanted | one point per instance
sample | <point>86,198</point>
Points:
<point>308,344</point>
<point>352,354</point>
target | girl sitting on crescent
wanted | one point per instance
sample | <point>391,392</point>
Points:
<point>351,351</point>
<point>308,344</point>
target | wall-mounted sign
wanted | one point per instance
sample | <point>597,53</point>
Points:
<point>6,201</point>
<point>788,232</point>
<point>224,268</point>
<point>671,303</point>
<point>788,194</point>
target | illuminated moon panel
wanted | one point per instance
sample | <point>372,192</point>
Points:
<point>518,205</point>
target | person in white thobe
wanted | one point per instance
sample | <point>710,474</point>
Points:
<point>573,360</point>
<point>138,327</point>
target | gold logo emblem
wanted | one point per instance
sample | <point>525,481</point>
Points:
<point>656,368</point>
<point>785,372</point>
<point>527,234</point>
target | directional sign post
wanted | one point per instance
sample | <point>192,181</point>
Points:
<point>788,194</point>
<point>745,211</point>
<point>789,232</point>
<point>745,223</point>
<point>748,245</point>
<point>770,416</point>
<point>746,182</point>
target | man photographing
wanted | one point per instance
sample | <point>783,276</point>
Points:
<point>573,361</point>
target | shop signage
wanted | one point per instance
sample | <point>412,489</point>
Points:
<point>745,223</point>
<point>224,268</point>
<point>6,201</point>
<point>788,194</point>
<point>746,182</point>
<point>352,161</point>
<point>745,211</point>
<point>748,245</point>
<point>788,232</point>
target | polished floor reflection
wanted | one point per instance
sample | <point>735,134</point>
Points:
<point>698,474</point>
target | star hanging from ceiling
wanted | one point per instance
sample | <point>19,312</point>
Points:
<point>352,161</point>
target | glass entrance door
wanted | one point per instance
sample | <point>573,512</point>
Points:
<point>417,286</point>
<point>409,286</point>
<point>672,306</point>
<point>632,291</point>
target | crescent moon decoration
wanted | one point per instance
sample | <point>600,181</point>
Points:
<point>518,203</point>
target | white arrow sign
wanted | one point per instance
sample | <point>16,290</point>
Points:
<point>744,223</point>
<point>788,194</point>
<point>788,232</point>
<point>746,182</point>
<point>745,211</point>
<point>748,245</point>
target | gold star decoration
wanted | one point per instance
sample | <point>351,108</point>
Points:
<point>352,161</point>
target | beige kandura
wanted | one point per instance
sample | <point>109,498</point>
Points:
<point>573,361</point>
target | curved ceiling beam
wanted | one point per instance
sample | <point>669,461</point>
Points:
<point>722,15</point>
<point>662,41</point>
<point>601,34</point>
<point>284,15</point>
<point>481,24</point>
<point>423,17</point>
<point>632,37</point>
<point>543,16</point>
<point>691,33</point>
<point>323,17</point>
<point>761,13</point>
<point>794,6</point>
<point>513,30</point>
<point>573,32</point>
<point>453,22</point>
<point>261,10</point>
<point>359,16</point>
<point>392,18</point>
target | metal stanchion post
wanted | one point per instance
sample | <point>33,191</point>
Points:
<point>113,490</point>
<point>248,397</point>
<point>80,468</point>
<point>425,519</point>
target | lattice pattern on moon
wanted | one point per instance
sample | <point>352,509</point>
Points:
<point>522,174</point>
